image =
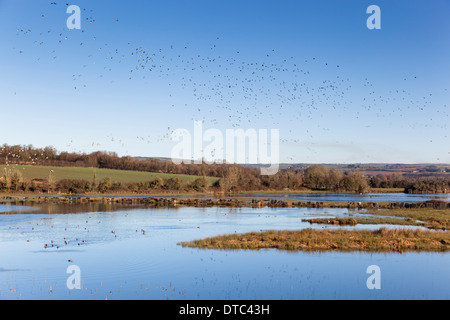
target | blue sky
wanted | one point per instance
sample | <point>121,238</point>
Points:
<point>337,91</point>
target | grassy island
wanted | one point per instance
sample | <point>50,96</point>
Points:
<point>382,240</point>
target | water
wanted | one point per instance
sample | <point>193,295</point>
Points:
<point>347,197</point>
<point>327,196</point>
<point>133,254</point>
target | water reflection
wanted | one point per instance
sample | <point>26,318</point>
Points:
<point>133,254</point>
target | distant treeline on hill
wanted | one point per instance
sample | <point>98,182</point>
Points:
<point>48,156</point>
<point>232,177</point>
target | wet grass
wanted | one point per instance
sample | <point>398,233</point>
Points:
<point>386,190</point>
<point>383,240</point>
<point>356,221</point>
<point>333,221</point>
<point>305,191</point>
<point>437,219</point>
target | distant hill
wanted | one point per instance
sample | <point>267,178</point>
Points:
<point>425,169</point>
<point>420,169</point>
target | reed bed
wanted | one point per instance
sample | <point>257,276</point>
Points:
<point>382,240</point>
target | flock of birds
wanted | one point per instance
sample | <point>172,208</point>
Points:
<point>68,235</point>
<point>230,89</point>
<point>21,154</point>
<point>219,87</point>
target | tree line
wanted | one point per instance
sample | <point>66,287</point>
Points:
<point>232,177</point>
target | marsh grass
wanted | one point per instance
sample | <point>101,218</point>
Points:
<point>333,221</point>
<point>386,190</point>
<point>437,219</point>
<point>382,240</point>
<point>356,221</point>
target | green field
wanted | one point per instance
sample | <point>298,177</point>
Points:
<point>59,173</point>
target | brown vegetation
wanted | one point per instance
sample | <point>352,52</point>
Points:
<point>106,186</point>
<point>437,218</point>
<point>383,240</point>
<point>333,221</point>
<point>232,177</point>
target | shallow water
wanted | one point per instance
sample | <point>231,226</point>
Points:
<point>321,196</point>
<point>133,254</point>
<point>347,197</point>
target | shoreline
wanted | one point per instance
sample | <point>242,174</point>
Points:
<point>224,201</point>
<point>206,193</point>
<point>431,214</point>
